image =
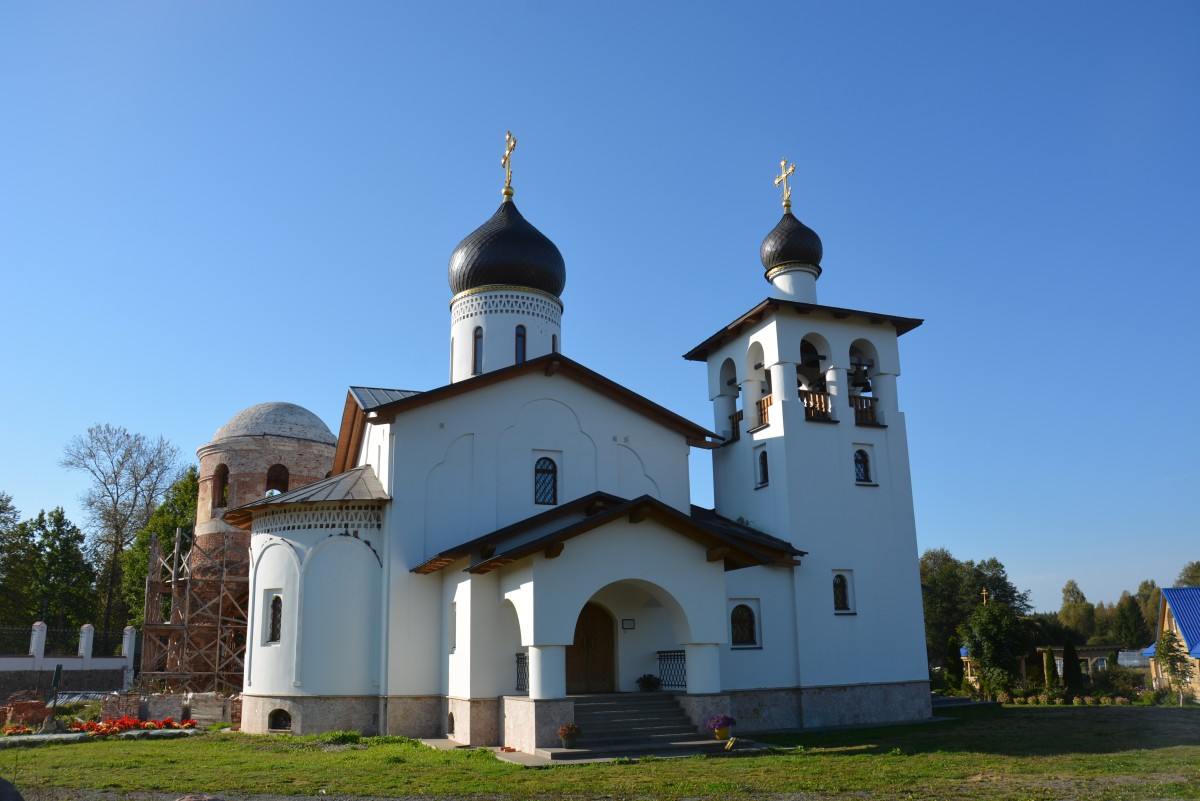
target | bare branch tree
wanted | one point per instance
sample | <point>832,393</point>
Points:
<point>130,473</point>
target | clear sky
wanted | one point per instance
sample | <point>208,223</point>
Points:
<point>208,205</point>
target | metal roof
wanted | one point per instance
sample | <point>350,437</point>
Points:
<point>359,484</point>
<point>1185,606</point>
<point>370,398</point>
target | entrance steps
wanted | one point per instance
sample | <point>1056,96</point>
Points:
<point>632,725</point>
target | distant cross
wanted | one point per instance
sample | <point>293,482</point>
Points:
<point>984,593</point>
<point>785,171</point>
<point>510,144</point>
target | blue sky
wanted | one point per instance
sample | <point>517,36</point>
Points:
<point>209,205</point>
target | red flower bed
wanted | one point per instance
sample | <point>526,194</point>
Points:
<point>124,724</point>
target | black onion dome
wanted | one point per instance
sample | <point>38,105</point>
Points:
<point>791,242</point>
<point>507,249</point>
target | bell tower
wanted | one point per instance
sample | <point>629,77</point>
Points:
<point>816,453</point>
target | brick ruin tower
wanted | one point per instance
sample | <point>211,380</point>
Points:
<point>194,634</point>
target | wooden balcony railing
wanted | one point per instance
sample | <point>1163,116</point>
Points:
<point>764,404</point>
<point>817,405</point>
<point>864,410</point>
<point>735,425</point>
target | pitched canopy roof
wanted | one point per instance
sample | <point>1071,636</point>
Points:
<point>1185,606</point>
<point>359,484</point>
<point>365,405</point>
<point>774,305</point>
<point>736,545</point>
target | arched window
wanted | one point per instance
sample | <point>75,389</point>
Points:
<point>763,474</point>
<point>277,478</point>
<point>862,467</point>
<point>841,593</point>
<point>275,631</point>
<point>220,487</point>
<point>545,482</point>
<point>554,343</point>
<point>520,354</point>
<point>477,353</point>
<point>279,720</point>
<point>742,626</point>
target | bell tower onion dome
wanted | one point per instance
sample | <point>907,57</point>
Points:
<point>791,252</point>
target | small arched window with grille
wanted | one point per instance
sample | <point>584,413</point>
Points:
<point>220,487</point>
<point>545,482</point>
<point>277,479</point>
<point>764,475</point>
<point>477,352</point>
<point>862,467</point>
<point>841,593</point>
<point>275,630</point>
<point>520,344</point>
<point>743,627</point>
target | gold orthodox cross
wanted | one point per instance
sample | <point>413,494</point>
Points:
<point>984,593</point>
<point>785,171</point>
<point>510,144</point>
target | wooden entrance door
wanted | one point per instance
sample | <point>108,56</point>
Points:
<point>592,658</point>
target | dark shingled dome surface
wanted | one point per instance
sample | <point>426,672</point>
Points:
<point>791,242</point>
<point>507,249</point>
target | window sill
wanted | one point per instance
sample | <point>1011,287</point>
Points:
<point>820,420</point>
<point>746,647</point>
<point>849,612</point>
<point>870,425</point>
<point>756,429</point>
<point>865,484</point>
<point>764,485</point>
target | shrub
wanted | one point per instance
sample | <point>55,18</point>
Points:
<point>1106,701</point>
<point>1060,701</point>
<point>1077,701</point>
<point>1090,700</point>
<point>648,682</point>
<point>1004,698</point>
<point>1121,700</point>
<point>341,737</point>
<point>1020,700</point>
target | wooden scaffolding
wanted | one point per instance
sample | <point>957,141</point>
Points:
<point>194,628</point>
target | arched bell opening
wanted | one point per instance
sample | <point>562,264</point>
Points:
<point>860,372</point>
<point>812,378</point>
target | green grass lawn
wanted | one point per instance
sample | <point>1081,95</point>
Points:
<point>988,753</point>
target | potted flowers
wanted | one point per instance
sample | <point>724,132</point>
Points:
<point>568,732</point>
<point>719,726</point>
<point>648,682</point>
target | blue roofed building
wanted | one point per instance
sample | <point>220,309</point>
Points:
<point>1179,612</point>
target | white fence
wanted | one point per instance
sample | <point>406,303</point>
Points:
<point>37,660</point>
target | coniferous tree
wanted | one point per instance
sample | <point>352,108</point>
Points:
<point>64,586</point>
<point>1129,627</point>
<point>1050,669</point>
<point>1072,674</point>
<point>18,568</point>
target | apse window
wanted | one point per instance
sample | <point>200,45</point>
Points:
<point>477,352</point>
<point>545,481</point>
<point>862,466</point>
<point>843,592</point>
<point>274,617</point>
<point>520,344</point>
<point>743,623</point>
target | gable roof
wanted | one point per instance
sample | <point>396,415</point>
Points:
<point>1185,606</point>
<point>359,484</point>
<point>365,405</point>
<point>772,305</point>
<point>737,545</point>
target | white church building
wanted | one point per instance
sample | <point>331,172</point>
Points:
<point>487,554</point>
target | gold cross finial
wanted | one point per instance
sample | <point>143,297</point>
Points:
<point>785,171</point>
<point>510,144</point>
<point>985,595</point>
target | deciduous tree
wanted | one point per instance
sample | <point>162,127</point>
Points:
<point>63,587</point>
<point>1076,613</point>
<point>994,638</point>
<point>1173,661</point>
<point>18,568</point>
<point>129,474</point>
<point>1189,576</point>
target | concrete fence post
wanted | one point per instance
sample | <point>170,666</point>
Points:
<point>128,646</point>
<point>87,635</point>
<point>37,644</point>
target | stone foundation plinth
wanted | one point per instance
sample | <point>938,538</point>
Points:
<point>313,714</point>
<point>857,704</point>
<point>531,724</point>
<point>476,720</point>
<point>415,715</point>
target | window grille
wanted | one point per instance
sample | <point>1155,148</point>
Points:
<point>742,623</point>
<point>841,593</point>
<point>523,673</point>
<point>545,482</point>
<point>274,634</point>
<point>862,467</point>
<point>672,669</point>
